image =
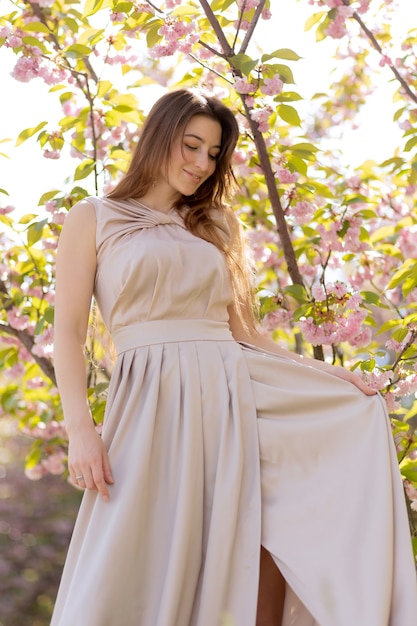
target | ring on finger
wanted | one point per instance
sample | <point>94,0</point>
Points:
<point>78,478</point>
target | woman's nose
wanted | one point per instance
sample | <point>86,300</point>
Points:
<point>202,160</point>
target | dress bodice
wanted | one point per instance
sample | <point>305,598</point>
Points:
<point>150,267</point>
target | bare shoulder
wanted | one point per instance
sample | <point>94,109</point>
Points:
<point>80,223</point>
<point>83,212</point>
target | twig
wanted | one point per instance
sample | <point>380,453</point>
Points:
<point>227,50</point>
<point>377,47</point>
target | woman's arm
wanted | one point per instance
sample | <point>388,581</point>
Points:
<point>75,272</point>
<point>255,338</point>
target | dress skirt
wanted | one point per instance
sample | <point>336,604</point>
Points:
<point>217,448</point>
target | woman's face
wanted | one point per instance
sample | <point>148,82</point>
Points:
<point>194,154</point>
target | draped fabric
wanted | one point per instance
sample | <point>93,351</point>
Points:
<point>217,447</point>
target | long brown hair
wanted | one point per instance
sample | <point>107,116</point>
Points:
<point>205,213</point>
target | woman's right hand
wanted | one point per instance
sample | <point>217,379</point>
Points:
<point>88,458</point>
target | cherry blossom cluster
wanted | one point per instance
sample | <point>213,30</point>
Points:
<point>177,35</point>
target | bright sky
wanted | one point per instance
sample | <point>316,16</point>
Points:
<point>26,175</point>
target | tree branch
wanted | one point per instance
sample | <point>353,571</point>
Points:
<point>377,47</point>
<point>252,26</point>
<point>227,50</point>
<point>28,342</point>
<point>278,211</point>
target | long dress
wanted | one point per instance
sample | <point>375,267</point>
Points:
<point>217,448</point>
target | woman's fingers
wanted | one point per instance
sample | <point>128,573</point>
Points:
<point>89,465</point>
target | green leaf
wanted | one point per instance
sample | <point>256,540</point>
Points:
<point>282,53</point>
<point>28,40</point>
<point>29,132</point>
<point>410,144</point>
<point>220,5</point>
<point>244,62</point>
<point>408,468</point>
<point>298,292</point>
<point>284,72</point>
<point>184,9</point>
<point>92,6</point>
<point>47,196</point>
<point>408,271</point>
<point>34,232</point>
<point>84,169</point>
<point>370,297</point>
<point>104,87</point>
<point>313,19</point>
<point>289,114</point>
<point>25,219</point>
<point>388,326</point>
<point>37,27</point>
<point>77,51</point>
<point>152,36</point>
<point>298,164</point>
<point>3,191</point>
<point>71,24</point>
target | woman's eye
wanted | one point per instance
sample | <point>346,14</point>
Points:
<point>190,147</point>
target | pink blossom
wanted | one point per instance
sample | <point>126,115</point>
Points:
<point>378,379</point>
<point>363,6</point>
<point>303,211</point>
<point>5,32</point>
<point>397,346</point>
<point>242,25</point>
<point>272,86</point>
<point>171,4</point>
<point>45,4</point>
<point>279,317</point>
<point>250,101</point>
<point>318,292</point>
<point>51,154</point>
<point>17,319</point>
<point>308,271</point>
<point>15,371</point>
<point>391,402</point>
<point>51,206</point>
<point>43,343</point>
<point>411,494</point>
<point>285,176</point>
<point>247,4</point>
<point>59,218</point>
<point>14,41</point>
<point>337,27</point>
<point>55,463</point>
<point>26,68</point>
<point>35,473</point>
<point>7,209</point>
<point>385,60</point>
<point>204,54</point>
<point>266,14</point>
<point>117,17</point>
<point>261,116</point>
<point>407,242</point>
<point>159,51</point>
<point>339,289</point>
<point>407,386</point>
<point>242,86</point>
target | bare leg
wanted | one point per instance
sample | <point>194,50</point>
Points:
<point>271,593</point>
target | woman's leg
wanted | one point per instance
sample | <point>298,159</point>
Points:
<point>271,592</point>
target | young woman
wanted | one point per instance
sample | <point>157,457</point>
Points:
<point>234,483</point>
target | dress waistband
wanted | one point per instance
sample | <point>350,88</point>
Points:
<point>169,331</point>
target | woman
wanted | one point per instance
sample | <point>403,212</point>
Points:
<point>234,483</point>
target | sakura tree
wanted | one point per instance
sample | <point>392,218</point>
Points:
<point>335,247</point>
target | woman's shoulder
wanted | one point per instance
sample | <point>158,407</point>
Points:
<point>81,217</point>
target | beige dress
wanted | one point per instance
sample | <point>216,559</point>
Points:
<point>216,448</point>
